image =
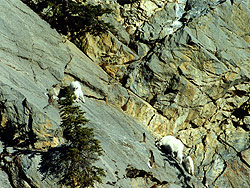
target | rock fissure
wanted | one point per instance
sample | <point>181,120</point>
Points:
<point>224,142</point>
<point>204,179</point>
<point>238,154</point>
<point>224,167</point>
<point>207,40</point>
<point>149,122</point>
<point>243,160</point>
<point>22,174</point>
<point>94,97</point>
<point>11,164</point>
<point>132,172</point>
<point>34,74</point>
<point>15,68</point>
<point>65,67</point>
<point>158,110</point>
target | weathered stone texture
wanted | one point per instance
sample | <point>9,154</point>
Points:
<point>196,77</point>
<point>170,67</point>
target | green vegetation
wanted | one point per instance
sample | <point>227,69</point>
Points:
<point>76,17</point>
<point>123,2</point>
<point>72,163</point>
<point>72,18</point>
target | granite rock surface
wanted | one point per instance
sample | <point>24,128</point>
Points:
<point>175,67</point>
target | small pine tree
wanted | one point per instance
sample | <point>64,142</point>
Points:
<point>83,149</point>
<point>72,163</point>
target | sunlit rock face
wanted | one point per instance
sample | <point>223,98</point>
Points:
<point>177,68</point>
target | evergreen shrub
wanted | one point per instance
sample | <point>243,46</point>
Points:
<point>73,162</point>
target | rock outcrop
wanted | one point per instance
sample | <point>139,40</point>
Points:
<point>171,67</point>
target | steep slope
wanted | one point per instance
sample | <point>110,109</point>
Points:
<point>171,67</point>
<point>192,78</point>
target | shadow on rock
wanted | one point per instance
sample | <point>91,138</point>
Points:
<point>52,163</point>
<point>175,164</point>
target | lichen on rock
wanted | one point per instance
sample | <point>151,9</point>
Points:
<point>167,68</point>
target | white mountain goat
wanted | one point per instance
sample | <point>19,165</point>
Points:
<point>189,165</point>
<point>52,94</point>
<point>75,86</point>
<point>170,144</point>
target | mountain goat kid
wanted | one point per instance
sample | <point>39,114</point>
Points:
<point>189,165</point>
<point>171,145</point>
<point>75,86</point>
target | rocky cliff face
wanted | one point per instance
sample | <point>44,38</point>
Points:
<point>171,67</point>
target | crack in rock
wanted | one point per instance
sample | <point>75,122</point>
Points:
<point>132,172</point>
